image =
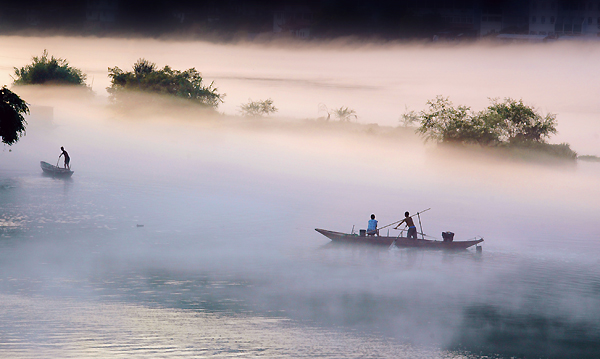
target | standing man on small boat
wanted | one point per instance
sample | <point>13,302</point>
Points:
<point>412,230</point>
<point>67,158</point>
<point>372,227</point>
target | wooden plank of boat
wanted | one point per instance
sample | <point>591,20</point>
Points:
<point>54,170</point>
<point>402,242</point>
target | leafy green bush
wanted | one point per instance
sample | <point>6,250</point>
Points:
<point>509,123</point>
<point>258,108</point>
<point>182,84</point>
<point>442,122</point>
<point>49,70</point>
<point>514,122</point>
<point>12,122</point>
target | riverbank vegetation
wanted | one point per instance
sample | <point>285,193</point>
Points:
<point>258,108</point>
<point>343,114</point>
<point>509,124</point>
<point>146,77</point>
<point>589,158</point>
<point>47,69</point>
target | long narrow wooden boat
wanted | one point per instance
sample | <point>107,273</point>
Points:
<point>54,170</point>
<point>401,242</point>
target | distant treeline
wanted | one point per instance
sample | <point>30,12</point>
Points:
<point>226,19</point>
<point>509,124</point>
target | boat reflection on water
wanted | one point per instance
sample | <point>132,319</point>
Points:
<point>397,256</point>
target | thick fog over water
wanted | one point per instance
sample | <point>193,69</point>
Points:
<point>180,223</point>
<point>378,81</point>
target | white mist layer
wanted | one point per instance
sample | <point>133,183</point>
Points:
<point>386,174</point>
<point>379,81</point>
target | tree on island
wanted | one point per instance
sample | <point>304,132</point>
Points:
<point>49,70</point>
<point>145,77</point>
<point>12,122</point>
<point>502,124</point>
<point>258,108</point>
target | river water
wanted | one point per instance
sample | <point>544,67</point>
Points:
<point>183,234</point>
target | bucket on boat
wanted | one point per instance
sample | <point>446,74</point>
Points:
<point>448,236</point>
<point>363,232</point>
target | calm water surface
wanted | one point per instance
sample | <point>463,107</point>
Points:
<point>230,271</point>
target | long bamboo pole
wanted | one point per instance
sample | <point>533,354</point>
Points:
<point>416,214</point>
<point>420,225</point>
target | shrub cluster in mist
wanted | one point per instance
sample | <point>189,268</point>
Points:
<point>258,108</point>
<point>49,70</point>
<point>343,114</point>
<point>508,124</point>
<point>146,77</point>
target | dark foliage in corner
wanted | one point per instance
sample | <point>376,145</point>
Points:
<point>12,122</point>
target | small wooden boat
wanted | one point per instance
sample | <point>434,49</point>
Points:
<point>401,242</point>
<point>54,170</point>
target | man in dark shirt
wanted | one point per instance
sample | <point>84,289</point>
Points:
<point>67,158</point>
<point>412,230</point>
